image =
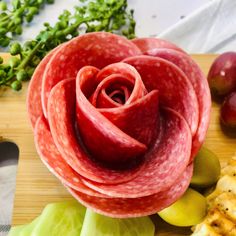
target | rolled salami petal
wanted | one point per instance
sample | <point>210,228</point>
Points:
<point>136,207</point>
<point>164,162</point>
<point>61,117</point>
<point>146,44</point>
<point>175,90</point>
<point>51,157</point>
<point>200,85</point>
<point>34,104</point>
<point>96,49</point>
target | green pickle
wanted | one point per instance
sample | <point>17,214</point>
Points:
<point>206,170</point>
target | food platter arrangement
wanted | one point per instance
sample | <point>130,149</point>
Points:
<point>121,122</point>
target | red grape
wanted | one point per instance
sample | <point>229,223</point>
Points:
<point>228,111</point>
<point>222,74</point>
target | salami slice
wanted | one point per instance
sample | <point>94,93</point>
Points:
<point>175,90</point>
<point>146,44</point>
<point>61,116</point>
<point>135,207</point>
<point>97,49</point>
<point>55,163</point>
<point>164,162</point>
<point>200,85</point>
<point>34,104</point>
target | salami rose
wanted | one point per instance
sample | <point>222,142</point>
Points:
<point>119,121</point>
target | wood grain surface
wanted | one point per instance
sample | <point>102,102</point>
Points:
<point>36,186</point>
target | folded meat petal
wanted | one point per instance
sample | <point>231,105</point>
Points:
<point>139,120</point>
<point>163,163</point>
<point>103,140</point>
<point>136,207</point>
<point>61,117</point>
<point>51,157</point>
<point>200,85</point>
<point>113,91</point>
<point>175,89</point>
<point>130,73</point>
<point>34,104</point>
<point>146,44</point>
<point>96,49</point>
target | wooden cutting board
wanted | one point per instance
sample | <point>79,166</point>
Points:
<point>36,186</point>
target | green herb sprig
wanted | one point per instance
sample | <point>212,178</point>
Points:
<point>11,20</point>
<point>90,16</point>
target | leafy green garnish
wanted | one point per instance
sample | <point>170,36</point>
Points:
<point>11,19</point>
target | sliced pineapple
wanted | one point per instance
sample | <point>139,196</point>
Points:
<point>226,203</point>
<point>204,229</point>
<point>221,217</point>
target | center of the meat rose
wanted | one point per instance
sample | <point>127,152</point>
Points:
<point>112,91</point>
<point>119,95</point>
<point>123,121</point>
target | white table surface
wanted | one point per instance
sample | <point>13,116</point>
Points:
<point>198,26</point>
<point>152,16</point>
